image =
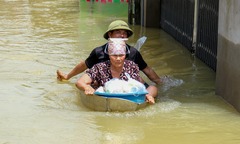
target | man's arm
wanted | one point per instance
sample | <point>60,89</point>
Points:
<point>151,74</point>
<point>75,71</point>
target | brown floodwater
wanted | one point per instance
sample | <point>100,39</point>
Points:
<point>37,37</point>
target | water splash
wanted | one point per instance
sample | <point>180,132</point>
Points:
<point>166,105</point>
<point>169,81</point>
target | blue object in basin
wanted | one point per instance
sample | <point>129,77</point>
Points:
<point>134,97</point>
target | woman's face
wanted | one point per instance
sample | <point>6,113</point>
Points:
<point>117,60</point>
<point>118,34</point>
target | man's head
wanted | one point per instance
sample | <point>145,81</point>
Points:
<point>118,29</point>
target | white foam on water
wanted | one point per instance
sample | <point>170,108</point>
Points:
<point>165,105</point>
<point>169,81</point>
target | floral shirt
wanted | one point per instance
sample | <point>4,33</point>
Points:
<point>101,72</point>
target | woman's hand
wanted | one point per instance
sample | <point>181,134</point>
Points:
<point>88,90</point>
<point>150,99</point>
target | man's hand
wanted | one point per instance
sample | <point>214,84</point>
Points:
<point>61,76</point>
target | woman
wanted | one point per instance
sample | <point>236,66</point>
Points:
<point>116,67</point>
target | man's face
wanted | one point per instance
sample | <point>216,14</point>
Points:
<point>118,34</point>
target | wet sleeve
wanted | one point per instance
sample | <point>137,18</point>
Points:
<point>92,59</point>
<point>139,60</point>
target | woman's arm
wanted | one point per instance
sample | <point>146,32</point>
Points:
<point>84,83</point>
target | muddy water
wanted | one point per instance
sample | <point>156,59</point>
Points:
<point>40,36</point>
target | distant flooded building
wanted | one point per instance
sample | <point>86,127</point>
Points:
<point>208,29</point>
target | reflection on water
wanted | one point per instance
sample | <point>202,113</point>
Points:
<point>39,37</point>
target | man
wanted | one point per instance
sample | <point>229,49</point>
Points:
<point>116,29</point>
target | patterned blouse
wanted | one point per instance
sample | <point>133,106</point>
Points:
<point>101,72</point>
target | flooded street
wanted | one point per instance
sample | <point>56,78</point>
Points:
<point>38,37</point>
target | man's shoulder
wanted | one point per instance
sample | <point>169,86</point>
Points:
<point>132,49</point>
<point>99,51</point>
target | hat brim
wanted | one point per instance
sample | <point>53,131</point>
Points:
<point>129,31</point>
